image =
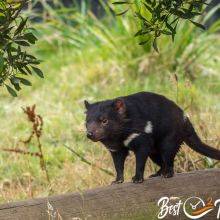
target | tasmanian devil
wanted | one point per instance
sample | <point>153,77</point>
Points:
<point>146,123</point>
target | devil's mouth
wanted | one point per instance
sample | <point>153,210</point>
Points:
<point>97,139</point>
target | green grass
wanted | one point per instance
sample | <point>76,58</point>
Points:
<point>96,60</point>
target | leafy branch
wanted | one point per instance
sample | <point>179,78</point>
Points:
<point>161,17</point>
<point>15,37</point>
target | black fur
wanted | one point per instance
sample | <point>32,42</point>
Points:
<point>113,121</point>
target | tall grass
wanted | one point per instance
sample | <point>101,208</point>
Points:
<point>89,58</point>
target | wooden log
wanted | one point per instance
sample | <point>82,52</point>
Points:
<point>122,201</point>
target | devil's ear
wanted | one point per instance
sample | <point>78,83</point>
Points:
<point>87,104</point>
<point>120,106</point>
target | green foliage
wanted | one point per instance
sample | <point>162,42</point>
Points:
<point>15,38</point>
<point>161,17</point>
<point>80,29</point>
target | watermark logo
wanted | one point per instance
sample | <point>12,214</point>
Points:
<point>193,207</point>
<point>197,207</point>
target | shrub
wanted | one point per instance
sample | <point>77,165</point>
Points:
<point>15,38</point>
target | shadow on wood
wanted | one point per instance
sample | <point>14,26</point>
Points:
<point>123,201</point>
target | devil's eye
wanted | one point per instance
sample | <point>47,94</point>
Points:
<point>105,121</point>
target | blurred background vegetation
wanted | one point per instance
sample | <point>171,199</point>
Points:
<point>89,53</point>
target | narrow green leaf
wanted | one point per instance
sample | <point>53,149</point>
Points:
<point>1,63</point>
<point>169,26</point>
<point>166,32</point>
<point>154,3</point>
<point>148,8</point>
<point>198,25</point>
<point>17,87</point>
<point>36,62</point>
<point>143,42</point>
<point>176,19</point>
<point>121,13</point>
<point>30,38</point>
<point>28,70</point>
<point>38,71</point>
<point>21,26</point>
<point>11,91</point>
<point>22,43</point>
<point>138,33</point>
<point>31,56</point>
<point>25,81</point>
<point>144,32</point>
<point>120,3</point>
<point>174,31</point>
<point>138,14</point>
<point>22,71</point>
<point>14,80</point>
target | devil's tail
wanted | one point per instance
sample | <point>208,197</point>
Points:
<point>194,142</point>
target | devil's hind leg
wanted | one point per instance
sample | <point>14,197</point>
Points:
<point>168,149</point>
<point>156,158</point>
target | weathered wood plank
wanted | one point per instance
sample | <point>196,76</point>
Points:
<point>123,201</point>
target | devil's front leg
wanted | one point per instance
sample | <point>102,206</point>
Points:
<point>119,160</point>
<point>142,150</point>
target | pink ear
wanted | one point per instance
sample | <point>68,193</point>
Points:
<point>120,106</point>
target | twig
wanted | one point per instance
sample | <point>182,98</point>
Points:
<point>83,159</point>
<point>42,160</point>
<point>35,154</point>
<point>37,127</point>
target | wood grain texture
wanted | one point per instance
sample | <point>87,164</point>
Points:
<point>123,201</point>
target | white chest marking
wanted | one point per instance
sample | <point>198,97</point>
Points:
<point>131,137</point>
<point>148,128</point>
